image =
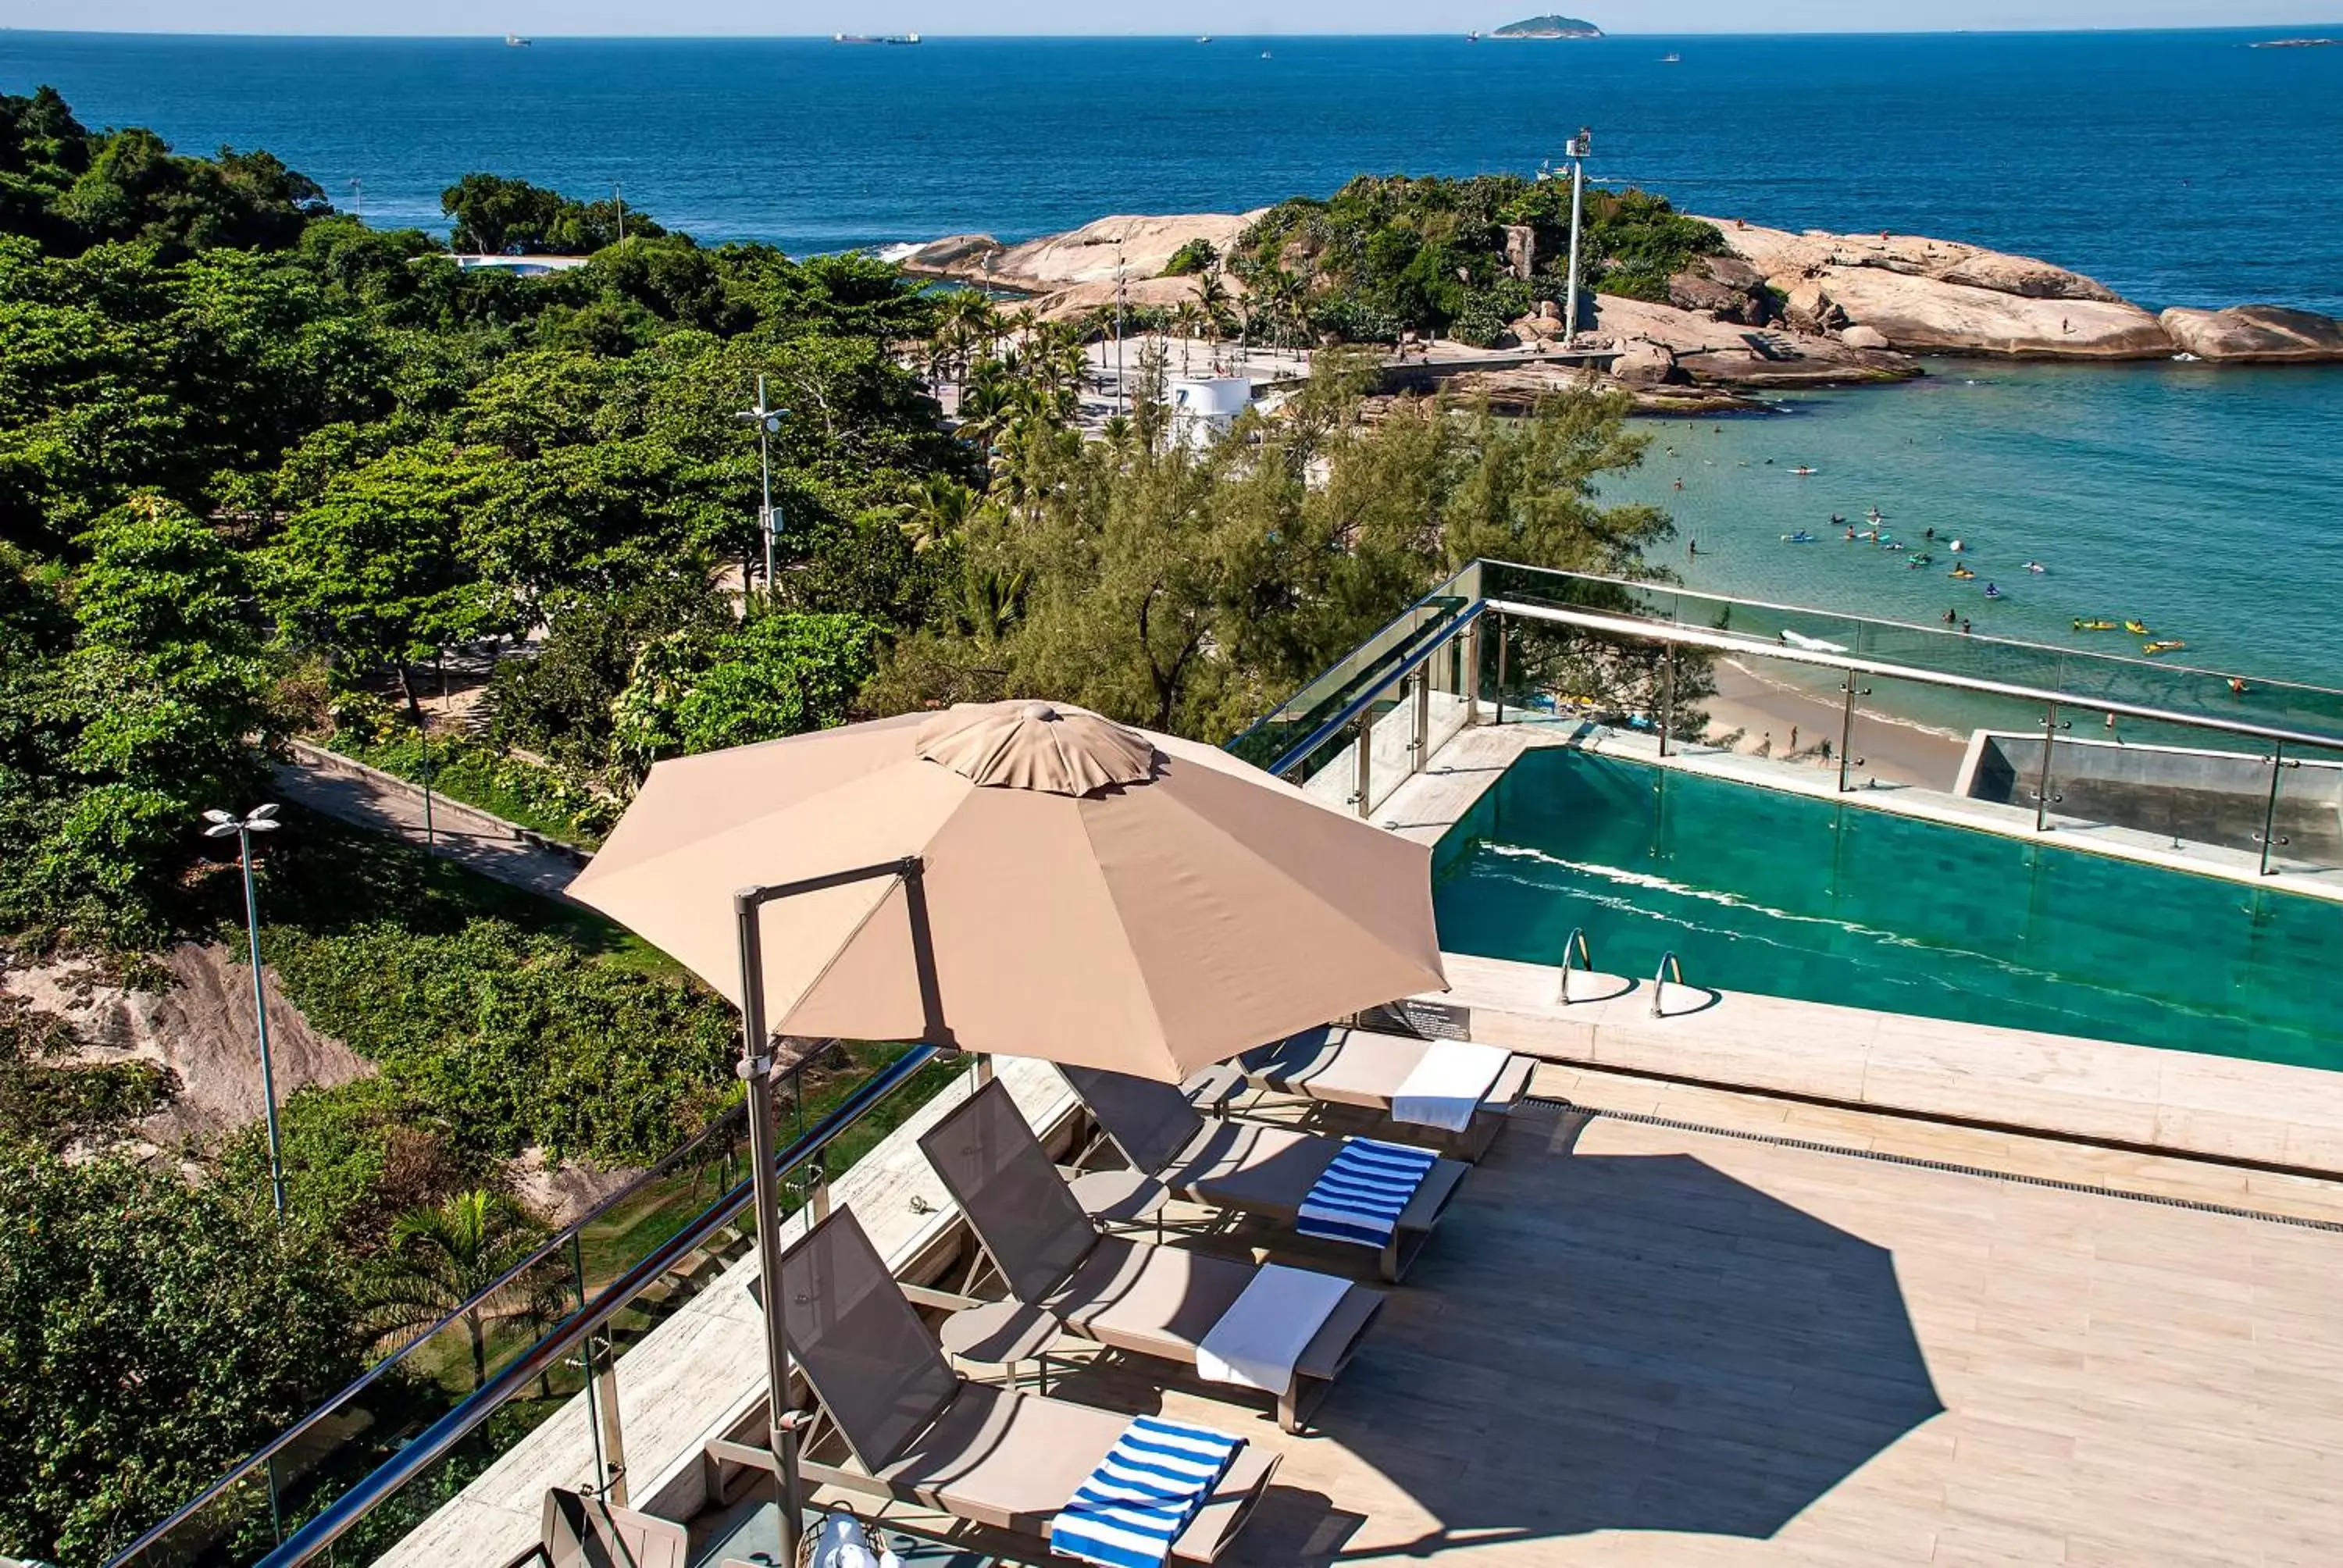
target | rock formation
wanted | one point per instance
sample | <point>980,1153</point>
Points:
<point>1704,349</point>
<point>1939,297</point>
<point>1083,256</point>
<point>2270,334</point>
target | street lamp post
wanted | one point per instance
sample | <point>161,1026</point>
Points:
<point>1578,148</point>
<point>768,422</point>
<point>261,819</point>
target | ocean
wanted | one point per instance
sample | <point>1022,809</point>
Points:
<point>2178,168</point>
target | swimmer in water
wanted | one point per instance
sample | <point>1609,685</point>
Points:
<point>1679,484</point>
<point>1929,533</point>
<point>1950,618</point>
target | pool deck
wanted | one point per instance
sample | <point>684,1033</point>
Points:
<point>2133,1095</point>
<point>1644,1344</point>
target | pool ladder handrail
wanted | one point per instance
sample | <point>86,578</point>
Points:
<point>1576,944</point>
<point>1668,968</point>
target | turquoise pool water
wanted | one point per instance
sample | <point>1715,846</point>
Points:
<point>1758,889</point>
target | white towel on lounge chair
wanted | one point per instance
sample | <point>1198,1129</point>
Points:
<point>1267,1328</point>
<point>1446,1087</point>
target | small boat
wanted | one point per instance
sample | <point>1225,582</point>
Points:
<point>1802,470</point>
<point>1264,53</point>
<point>2095,626</point>
<point>515,41</point>
<point>1962,573</point>
<point>1468,38</point>
<point>1811,644</point>
<point>2137,627</point>
<point>1204,38</point>
<point>1800,537</point>
<point>1672,59</point>
<point>2169,645</point>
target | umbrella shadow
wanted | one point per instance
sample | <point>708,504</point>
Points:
<point>1625,1342</point>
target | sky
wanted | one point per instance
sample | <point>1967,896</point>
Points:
<point>703,18</point>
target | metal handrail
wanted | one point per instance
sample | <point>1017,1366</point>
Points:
<point>1668,968</point>
<point>434,1441</point>
<point>1447,633</point>
<point>1575,943</point>
<point>1721,642</point>
<point>2091,656</point>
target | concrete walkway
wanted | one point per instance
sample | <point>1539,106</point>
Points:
<point>350,791</point>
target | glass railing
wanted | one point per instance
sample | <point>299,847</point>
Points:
<point>1301,723</point>
<point>2150,758</point>
<point>2082,675</point>
<point>579,1303</point>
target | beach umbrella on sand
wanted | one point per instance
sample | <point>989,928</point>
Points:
<point>1012,877</point>
<point>1082,892</point>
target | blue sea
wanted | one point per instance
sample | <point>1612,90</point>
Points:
<point>2178,168</point>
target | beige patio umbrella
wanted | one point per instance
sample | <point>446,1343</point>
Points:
<point>1011,878</point>
<point>1093,894</point>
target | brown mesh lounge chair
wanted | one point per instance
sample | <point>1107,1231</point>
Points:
<point>1364,1068</point>
<point>1145,1299</point>
<point>1241,1165</point>
<point>917,1433</point>
<point>590,1533</point>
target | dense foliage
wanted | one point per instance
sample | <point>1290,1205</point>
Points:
<point>151,1333</point>
<point>1389,254</point>
<point>266,471</point>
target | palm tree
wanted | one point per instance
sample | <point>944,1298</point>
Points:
<point>457,1256</point>
<point>944,508</point>
<point>1212,304</point>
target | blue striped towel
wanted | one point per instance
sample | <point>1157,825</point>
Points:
<point>1142,1494</point>
<point>1360,1196</point>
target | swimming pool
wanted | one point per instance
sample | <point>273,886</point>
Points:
<point>1759,889</point>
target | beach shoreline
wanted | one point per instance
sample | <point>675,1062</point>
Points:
<point>1767,717</point>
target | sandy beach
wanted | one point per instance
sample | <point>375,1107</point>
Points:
<point>1782,720</point>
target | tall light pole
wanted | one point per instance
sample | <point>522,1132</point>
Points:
<point>1121,399</point>
<point>1579,146</point>
<point>261,819</point>
<point>768,422</point>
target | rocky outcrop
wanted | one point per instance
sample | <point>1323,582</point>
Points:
<point>1727,287</point>
<point>1707,350</point>
<point>1097,294</point>
<point>2256,333</point>
<point>1521,250</point>
<point>1644,362</point>
<point>1930,315</point>
<point>1926,296</point>
<point>199,1028</point>
<point>1141,246</point>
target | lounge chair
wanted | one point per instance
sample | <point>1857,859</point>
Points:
<point>917,1433</point>
<point>1365,1069</point>
<point>1245,1166</point>
<point>1128,1295</point>
<point>582,1532</point>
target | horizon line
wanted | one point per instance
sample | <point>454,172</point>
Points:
<point>2290,28</point>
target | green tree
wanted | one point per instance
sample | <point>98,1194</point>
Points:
<point>455,1255</point>
<point>497,216</point>
<point>151,1334</point>
<point>373,571</point>
<point>779,673</point>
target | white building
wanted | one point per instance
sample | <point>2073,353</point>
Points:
<point>1203,408</point>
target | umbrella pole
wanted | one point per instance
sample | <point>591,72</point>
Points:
<point>757,1072</point>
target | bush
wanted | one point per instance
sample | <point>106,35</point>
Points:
<point>151,1334</point>
<point>507,1040</point>
<point>543,798</point>
<point>1196,256</point>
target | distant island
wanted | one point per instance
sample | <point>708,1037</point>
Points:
<point>1549,27</point>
